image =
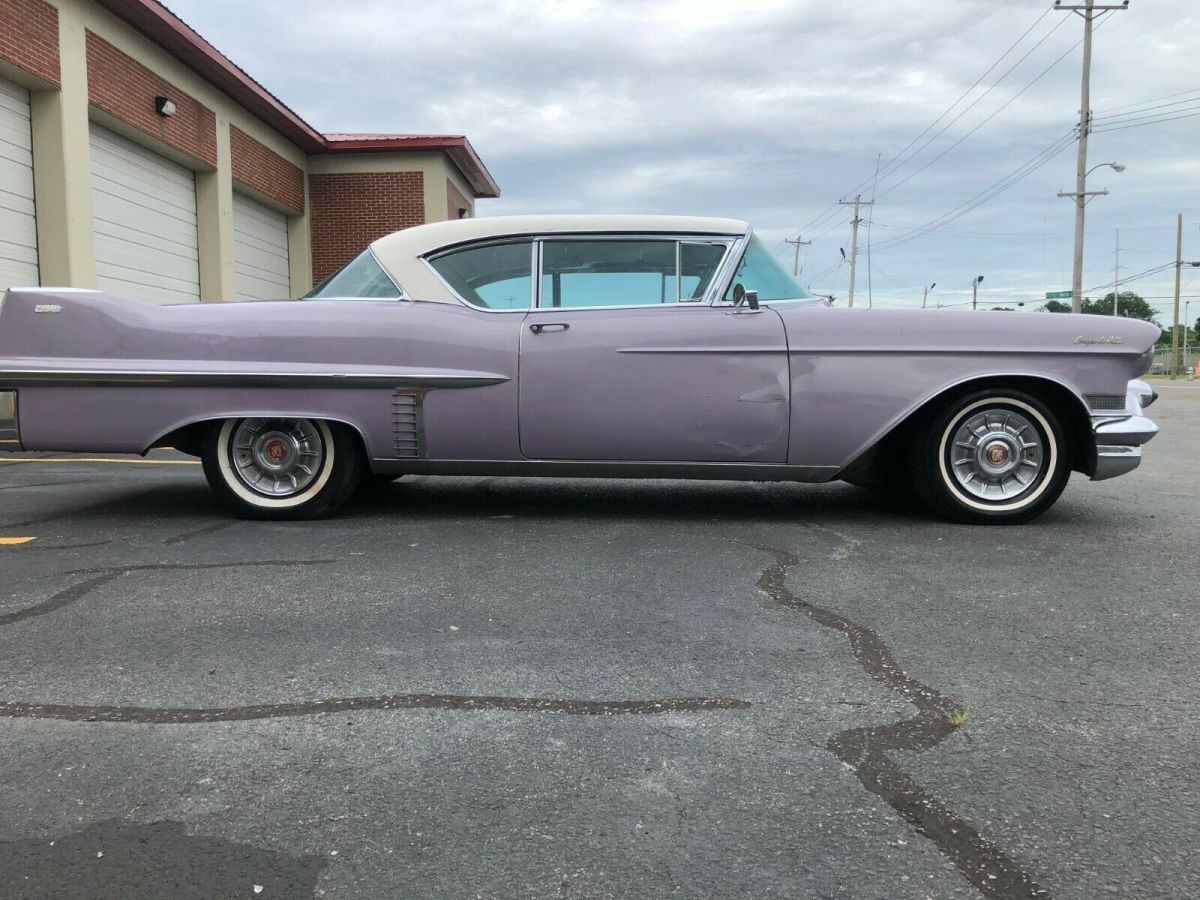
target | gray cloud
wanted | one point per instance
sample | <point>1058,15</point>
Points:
<point>768,111</point>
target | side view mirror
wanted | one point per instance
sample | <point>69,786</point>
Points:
<point>741,295</point>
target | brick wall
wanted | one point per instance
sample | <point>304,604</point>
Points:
<point>348,211</point>
<point>29,37</point>
<point>126,89</point>
<point>456,201</point>
<point>261,168</point>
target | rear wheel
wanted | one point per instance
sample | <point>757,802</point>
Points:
<point>282,468</point>
<point>994,457</point>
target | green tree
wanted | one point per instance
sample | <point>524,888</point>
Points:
<point>1132,306</point>
<point>1056,306</point>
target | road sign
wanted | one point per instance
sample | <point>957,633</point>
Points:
<point>1058,295</point>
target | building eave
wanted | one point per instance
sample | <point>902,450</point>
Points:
<point>166,29</point>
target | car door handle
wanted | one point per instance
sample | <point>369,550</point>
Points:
<point>539,327</point>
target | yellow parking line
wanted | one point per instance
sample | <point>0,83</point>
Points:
<point>10,541</point>
<point>91,459</point>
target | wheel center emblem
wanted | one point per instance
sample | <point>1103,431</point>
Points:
<point>276,451</point>
<point>997,454</point>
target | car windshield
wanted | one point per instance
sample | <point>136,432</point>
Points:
<point>760,271</point>
<point>362,278</point>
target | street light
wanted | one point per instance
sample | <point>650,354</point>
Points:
<point>925,296</point>
<point>1081,197</point>
<point>975,282</point>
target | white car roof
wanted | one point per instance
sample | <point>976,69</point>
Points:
<point>400,252</point>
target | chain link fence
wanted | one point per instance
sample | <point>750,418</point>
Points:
<point>1162,360</point>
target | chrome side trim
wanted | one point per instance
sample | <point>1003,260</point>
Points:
<point>718,471</point>
<point>94,378</point>
<point>10,433</point>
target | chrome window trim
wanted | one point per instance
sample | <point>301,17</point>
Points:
<point>401,293</point>
<point>741,251</point>
<point>728,269</point>
<point>428,258</point>
<point>678,238</point>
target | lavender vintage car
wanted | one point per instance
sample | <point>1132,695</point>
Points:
<point>616,346</point>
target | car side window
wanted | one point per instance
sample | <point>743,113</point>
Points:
<point>760,271</point>
<point>645,272</point>
<point>363,278</point>
<point>492,276</point>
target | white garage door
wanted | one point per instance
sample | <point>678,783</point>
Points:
<point>18,226</point>
<point>260,251</point>
<point>145,211</point>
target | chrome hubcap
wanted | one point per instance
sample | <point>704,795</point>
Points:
<point>277,457</point>
<point>996,455</point>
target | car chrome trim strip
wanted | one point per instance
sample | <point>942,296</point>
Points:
<point>10,432</point>
<point>719,471</point>
<point>82,378</point>
<point>713,349</point>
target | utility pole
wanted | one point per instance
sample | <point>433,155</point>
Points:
<point>1178,277</point>
<point>975,291</point>
<point>925,295</point>
<point>1088,12</point>
<point>1117,273</point>
<point>798,243</point>
<point>855,222</point>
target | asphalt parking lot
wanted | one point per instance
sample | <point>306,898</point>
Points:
<point>532,688</point>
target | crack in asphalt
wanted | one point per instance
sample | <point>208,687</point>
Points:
<point>865,750</point>
<point>189,716</point>
<point>186,536</point>
<point>102,576</point>
<point>457,702</point>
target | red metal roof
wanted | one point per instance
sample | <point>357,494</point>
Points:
<point>171,33</point>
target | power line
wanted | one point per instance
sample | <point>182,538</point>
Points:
<point>1116,117</point>
<point>888,168</point>
<point>995,113</point>
<point>989,193</point>
<point>1195,90</point>
<point>970,107</point>
<point>1151,122</point>
<point>895,163</point>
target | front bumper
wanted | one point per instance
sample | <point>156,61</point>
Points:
<point>1119,435</point>
<point>10,437</point>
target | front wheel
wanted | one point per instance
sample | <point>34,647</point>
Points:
<point>282,468</point>
<point>994,457</point>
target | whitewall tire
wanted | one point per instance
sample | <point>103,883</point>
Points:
<point>992,457</point>
<point>282,468</point>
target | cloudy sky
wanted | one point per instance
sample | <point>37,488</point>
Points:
<point>773,110</point>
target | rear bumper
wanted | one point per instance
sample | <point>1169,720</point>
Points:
<point>1120,436</point>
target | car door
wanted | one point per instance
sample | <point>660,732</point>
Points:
<point>624,359</point>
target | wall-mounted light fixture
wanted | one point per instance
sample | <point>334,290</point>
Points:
<point>164,106</point>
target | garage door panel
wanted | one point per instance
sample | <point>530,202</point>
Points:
<point>142,223</point>
<point>260,251</point>
<point>18,223</point>
<point>145,219</point>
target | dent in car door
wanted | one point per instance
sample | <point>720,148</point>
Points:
<point>675,382</point>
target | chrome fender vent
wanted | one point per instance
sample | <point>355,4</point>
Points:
<point>408,430</point>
